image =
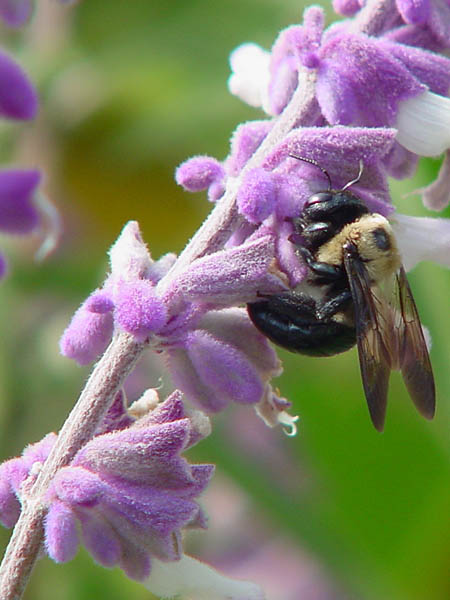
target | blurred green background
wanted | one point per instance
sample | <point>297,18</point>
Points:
<point>129,90</point>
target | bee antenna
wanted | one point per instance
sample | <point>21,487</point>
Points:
<point>316,164</point>
<point>353,181</point>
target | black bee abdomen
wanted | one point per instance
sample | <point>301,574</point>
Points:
<point>290,321</point>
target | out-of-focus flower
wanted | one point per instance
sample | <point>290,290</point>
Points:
<point>18,98</point>
<point>19,213</point>
<point>128,493</point>
<point>15,13</point>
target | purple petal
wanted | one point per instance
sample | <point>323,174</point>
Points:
<point>99,302</point>
<point>117,416</point>
<point>186,378</point>
<point>61,536</point>
<point>338,149</point>
<point>134,560</point>
<point>283,84</point>
<point>257,195</point>
<point>224,368</point>
<point>138,310</point>
<point>9,504</point>
<point>400,162</point>
<point>415,12</point>
<point>115,453</point>
<point>75,485</point>
<point>18,99</point>
<point>17,212</point>
<point>198,173</point>
<point>100,539</point>
<point>347,8</point>
<point>429,68</point>
<point>87,336</point>
<point>244,142</point>
<point>234,327</point>
<point>335,94</point>
<point>230,276</point>
<point>357,65</point>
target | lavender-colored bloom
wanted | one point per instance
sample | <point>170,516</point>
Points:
<point>224,360</point>
<point>15,13</point>
<point>88,334</point>
<point>365,80</point>
<point>183,321</point>
<point>14,474</point>
<point>138,310</point>
<point>18,214</point>
<point>128,492</point>
<point>18,99</point>
<point>199,173</point>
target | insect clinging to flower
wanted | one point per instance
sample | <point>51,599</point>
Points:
<point>356,292</point>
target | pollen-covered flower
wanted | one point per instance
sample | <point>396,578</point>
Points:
<point>127,494</point>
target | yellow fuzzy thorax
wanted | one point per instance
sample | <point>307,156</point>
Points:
<point>380,263</point>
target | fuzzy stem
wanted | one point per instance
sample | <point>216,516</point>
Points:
<point>223,220</point>
<point>123,353</point>
<point>105,381</point>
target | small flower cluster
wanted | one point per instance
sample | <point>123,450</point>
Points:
<point>128,492</point>
<point>377,99</point>
<point>214,353</point>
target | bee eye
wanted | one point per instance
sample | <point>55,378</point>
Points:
<point>381,238</point>
<point>318,198</point>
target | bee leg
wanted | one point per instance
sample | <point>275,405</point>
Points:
<point>316,234</point>
<point>336,304</point>
<point>324,270</point>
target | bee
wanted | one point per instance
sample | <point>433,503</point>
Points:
<point>356,292</point>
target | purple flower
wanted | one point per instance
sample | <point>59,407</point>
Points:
<point>128,493</point>
<point>18,99</point>
<point>361,80</point>
<point>201,343</point>
<point>19,213</point>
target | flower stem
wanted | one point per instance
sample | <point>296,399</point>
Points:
<point>224,219</point>
<point>105,381</point>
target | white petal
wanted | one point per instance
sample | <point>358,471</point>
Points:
<point>423,124</point>
<point>250,74</point>
<point>190,579</point>
<point>422,238</point>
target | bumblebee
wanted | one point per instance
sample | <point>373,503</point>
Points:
<point>356,292</point>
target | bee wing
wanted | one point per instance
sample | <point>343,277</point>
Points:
<point>413,359</point>
<point>371,324</point>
